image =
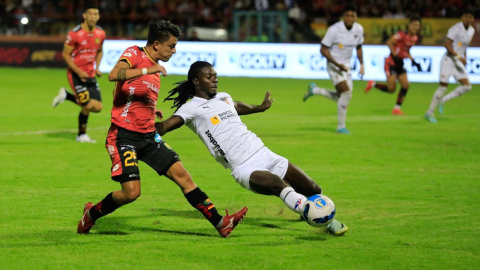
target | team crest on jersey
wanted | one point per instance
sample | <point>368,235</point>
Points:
<point>215,120</point>
<point>97,41</point>
<point>225,99</point>
<point>340,45</point>
<point>459,44</point>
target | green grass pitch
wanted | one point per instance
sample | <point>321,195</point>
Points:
<point>408,190</point>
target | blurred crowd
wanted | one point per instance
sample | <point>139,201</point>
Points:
<point>128,18</point>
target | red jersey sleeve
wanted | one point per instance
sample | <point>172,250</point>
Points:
<point>132,56</point>
<point>398,37</point>
<point>71,41</point>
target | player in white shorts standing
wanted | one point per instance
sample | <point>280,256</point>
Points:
<point>337,46</point>
<point>453,64</point>
<point>214,117</point>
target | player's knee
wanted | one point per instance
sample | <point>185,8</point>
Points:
<point>131,195</point>
<point>466,88</point>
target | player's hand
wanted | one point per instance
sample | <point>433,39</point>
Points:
<point>157,68</point>
<point>98,73</point>
<point>82,75</point>
<point>361,72</point>
<point>267,101</point>
<point>342,67</point>
<point>159,114</point>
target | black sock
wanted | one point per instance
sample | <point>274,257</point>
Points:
<point>401,96</point>
<point>202,203</point>
<point>381,87</point>
<point>104,207</point>
<point>82,123</point>
<point>71,97</point>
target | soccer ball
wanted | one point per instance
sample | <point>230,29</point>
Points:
<point>319,211</point>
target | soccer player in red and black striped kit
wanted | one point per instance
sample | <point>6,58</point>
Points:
<point>399,45</point>
<point>82,53</point>
<point>132,135</point>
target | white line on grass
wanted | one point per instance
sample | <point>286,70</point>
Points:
<point>39,132</point>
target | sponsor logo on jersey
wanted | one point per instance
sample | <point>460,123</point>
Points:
<point>216,146</point>
<point>116,167</point>
<point>227,114</point>
<point>97,41</point>
<point>225,99</point>
<point>111,149</point>
<point>340,45</point>
<point>158,138</point>
<point>185,59</point>
<point>215,120</point>
<point>263,60</point>
<point>127,54</point>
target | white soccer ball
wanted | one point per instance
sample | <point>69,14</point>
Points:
<point>319,211</point>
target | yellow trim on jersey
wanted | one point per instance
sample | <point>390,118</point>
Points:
<point>128,61</point>
<point>68,46</point>
<point>143,48</point>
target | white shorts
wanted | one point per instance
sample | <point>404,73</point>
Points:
<point>337,76</point>
<point>451,66</point>
<point>263,160</point>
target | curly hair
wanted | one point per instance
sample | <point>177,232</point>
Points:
<point>186,89</point>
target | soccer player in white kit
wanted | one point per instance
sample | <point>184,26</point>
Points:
<point>214,117</point>
<point>453,64</point>
<point>337,46</point>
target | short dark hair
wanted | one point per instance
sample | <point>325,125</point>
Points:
<point>467,11</point>
<point>415,18</point>
<point>349,7</point>
<point>161,30</point>
<point>87,7</point>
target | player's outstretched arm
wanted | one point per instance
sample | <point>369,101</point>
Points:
<point>173,122</point>
<point>360,59</point>
<point>123,72</point>
<point>244,108</point>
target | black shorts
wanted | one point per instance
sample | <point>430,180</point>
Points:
<point>84,91</point>
<point>127,147</point>
<point>394,67</point>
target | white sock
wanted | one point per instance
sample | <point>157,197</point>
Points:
<point>293,200</point>
<point>436,99</point>
<point>397,107</point>
<point>342,108</point>
<point>326,93</point>
<point>460,90</point>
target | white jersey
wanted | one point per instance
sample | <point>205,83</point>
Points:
<point>220,128</point>
<point>461,37</point>
<point>342,41</point>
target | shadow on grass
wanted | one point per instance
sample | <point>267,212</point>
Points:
<point>64,135</point>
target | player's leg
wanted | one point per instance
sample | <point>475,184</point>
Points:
<point>463,88</point>
<point>63,93</point>
<point>437,98</point>
<point>404,84</point>
<point>300,181</point>
<point>313,89</point>
<point>344,93</point>
<point>164,160</point>
<point>122,149</point>
<point>91,101</point>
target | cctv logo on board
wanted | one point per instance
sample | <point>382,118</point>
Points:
<point>262,60</point>
<point>185,59</point>
<point>424,62</point>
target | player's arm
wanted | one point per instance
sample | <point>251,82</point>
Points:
<point>449,47</point>
<point>172,123</point>
<point>325,51</point>
<point>244,108</point>
<point>98,58</point>
<point>391,42</point>
<point>123,72</point>
<point>360,59</point>
<point>67,56</point>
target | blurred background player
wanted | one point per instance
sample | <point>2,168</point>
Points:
<point>132,135</point>
<point>82,53</point>
<point>399,45</point>
<point>215,118</point>
<point>453,64</point>
<point>337,46</point>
